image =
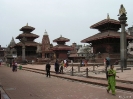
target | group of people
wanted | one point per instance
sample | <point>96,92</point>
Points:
<point>110,73</point>
<point>58,67</point>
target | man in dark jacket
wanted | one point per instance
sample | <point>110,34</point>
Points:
<point>48,66</point>
<point>56,67</point>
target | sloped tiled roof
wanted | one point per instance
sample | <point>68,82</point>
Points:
<point>27,28</point>
<point>62,47</point>
<point>61,39</point>
<point>27,44</point>
<point>27,35</point>
<point>104,22</point>
<point>106,34</point>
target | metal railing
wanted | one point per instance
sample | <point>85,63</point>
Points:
<point>81,71</point>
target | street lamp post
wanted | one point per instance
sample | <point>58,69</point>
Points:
<point>123,40</point>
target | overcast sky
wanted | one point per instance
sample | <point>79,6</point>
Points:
<point>70,18</point>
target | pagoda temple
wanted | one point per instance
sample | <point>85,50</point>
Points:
<point>107,41</point>
<point>30,44</point>
<point>61,50</point>
<point>46,47</point>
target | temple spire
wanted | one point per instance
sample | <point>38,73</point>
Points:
<point>108,16</point>
<point>60,35</point>
<point>12,42</point>
<point>45,33</point>
<point>27,24</point>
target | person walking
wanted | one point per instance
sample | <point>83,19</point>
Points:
<point>16,65</point>
<point>56,67</point>
<point>106,67</point>
<point>32,62</point>
<point>48,66</point>
<point>66,63</point>
<point>13,66</point>
<point>111,80</point>
<point>85,63</point>
<point>61,66</point>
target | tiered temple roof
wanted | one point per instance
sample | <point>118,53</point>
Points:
<point>27,44</point>
<point>108,29</point>
<point>28,35</point>
<point>27,28</point>
<point>31,35</point>
<point>61,44</point>
<point>61,39</point>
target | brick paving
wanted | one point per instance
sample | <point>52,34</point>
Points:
<point>29,85</point>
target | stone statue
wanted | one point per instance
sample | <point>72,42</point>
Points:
<point>122,10</point>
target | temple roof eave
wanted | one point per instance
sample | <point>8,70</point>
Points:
<point>31,35</point>
<point>27,28</point>
<point>27,44</point>
<point>103,36</point>
<point>112,21</point>
<point>61,39</point>
<point>62,47</point>
<point>90,41</point>
<point>104,23</point>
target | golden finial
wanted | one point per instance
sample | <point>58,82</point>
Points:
<point>27,24</point>
<point>108,16</point>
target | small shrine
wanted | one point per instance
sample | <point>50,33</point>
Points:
<point>107,41</point>
<point>30,44</point>
<point>61,50</point>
